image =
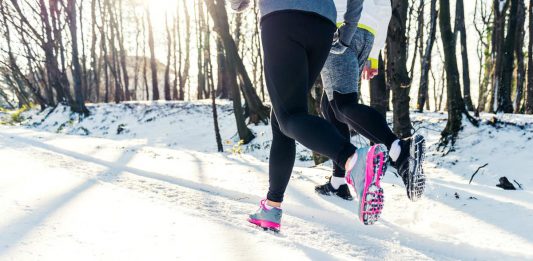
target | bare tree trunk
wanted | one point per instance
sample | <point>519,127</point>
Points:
<point>135,94</point>
<point>482,29</point>
<point>115,66</point>
<point>208,68</point>
<point>397,75</point>
<point>529,94</point>
<point>115,56</point>
<point>218,13</point>
<point>258,112</point>
<point>455,103</point>
<point>379,97</point>
<point>237,34</point>
<point>106,65</point>
<point>213,101</point>
<point>153,63</point>
<point>215,122</point>
<point>95,81</point>
<point>185,74</point>
<point>52,67</point>
<point>123,54</point>
<point>519,52</point>
<point>257,55</point>
<point>85,86</point>
<point>78,104</point>
<point>58,49</point>
<point>485,89</point>
<point>423,91</point>
<point>166,88</point>
<point>176,51</point>
<point>200,30</point>
<point>501,97</point>
<point>145,69</point>
<point>461,28</point>
<point>504,98</point>
<point>223,88</point>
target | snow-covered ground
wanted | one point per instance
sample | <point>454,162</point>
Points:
<point>144,182</point>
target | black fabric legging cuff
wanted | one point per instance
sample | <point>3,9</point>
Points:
<point>344,110</point>
<point>364,119</point>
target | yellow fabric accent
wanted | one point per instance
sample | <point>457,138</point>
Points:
<point>368,28</point>
<point>374,63</point>
<point>340,24</point>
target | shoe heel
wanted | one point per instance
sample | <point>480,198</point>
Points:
<point>373,198</point>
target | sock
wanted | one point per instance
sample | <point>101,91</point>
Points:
<point>395,150</point>
<point>352,162</point>
<point>336,182</point>
<point>267,206</point>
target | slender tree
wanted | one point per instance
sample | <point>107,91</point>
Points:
<point>176,53</point>
<point>519,53</point>
<point>529,93</point>
<point>185,73</point>
<point>119,29</point>
<point>223,88</point>
<point>78,105</point>
<point>257,111</point>
<point>217,10</point>
<point>144,60</point>
<point>135,94</point>
<point>166,86</point>
<point>153,63</point>
<point>461,29</point>
<point>94,63</point>
<point>483,28</point>
<point>397,75</point>
<point>501,97</point>
<point>379,94</point>
<point>200,32</point>
<point>106,64</point>
<point>455,103</point>
<point>218,138</point>
<point>83,59</point>
<point>423,91</point>
<point>508,61</point>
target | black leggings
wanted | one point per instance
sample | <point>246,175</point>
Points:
<point>344,110</point>
<point>296,45</point>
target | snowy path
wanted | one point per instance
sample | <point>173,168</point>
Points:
<point>65,197</point>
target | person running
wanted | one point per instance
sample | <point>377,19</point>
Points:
<point>297,36</point>
<point>340,75</point>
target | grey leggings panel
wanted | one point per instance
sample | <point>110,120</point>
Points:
<point>341,72</point>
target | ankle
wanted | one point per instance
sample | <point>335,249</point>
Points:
<point>336,182</point>
<point>350,162</point>
<point>395,150</point>
<point>271,204</point>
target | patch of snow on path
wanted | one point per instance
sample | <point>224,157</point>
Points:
<point>160,192</point>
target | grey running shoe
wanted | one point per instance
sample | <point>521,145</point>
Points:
<point>410,166</point>
<point>365,177</point>
<point>265,218</point>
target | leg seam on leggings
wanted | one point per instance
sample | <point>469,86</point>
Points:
<point>358,125</point>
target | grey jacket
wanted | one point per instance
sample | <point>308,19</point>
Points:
<point>325,8</point>
<point>351,19</point>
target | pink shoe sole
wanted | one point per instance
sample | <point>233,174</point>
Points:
<point>265,224</point>
<point>371,201</point>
